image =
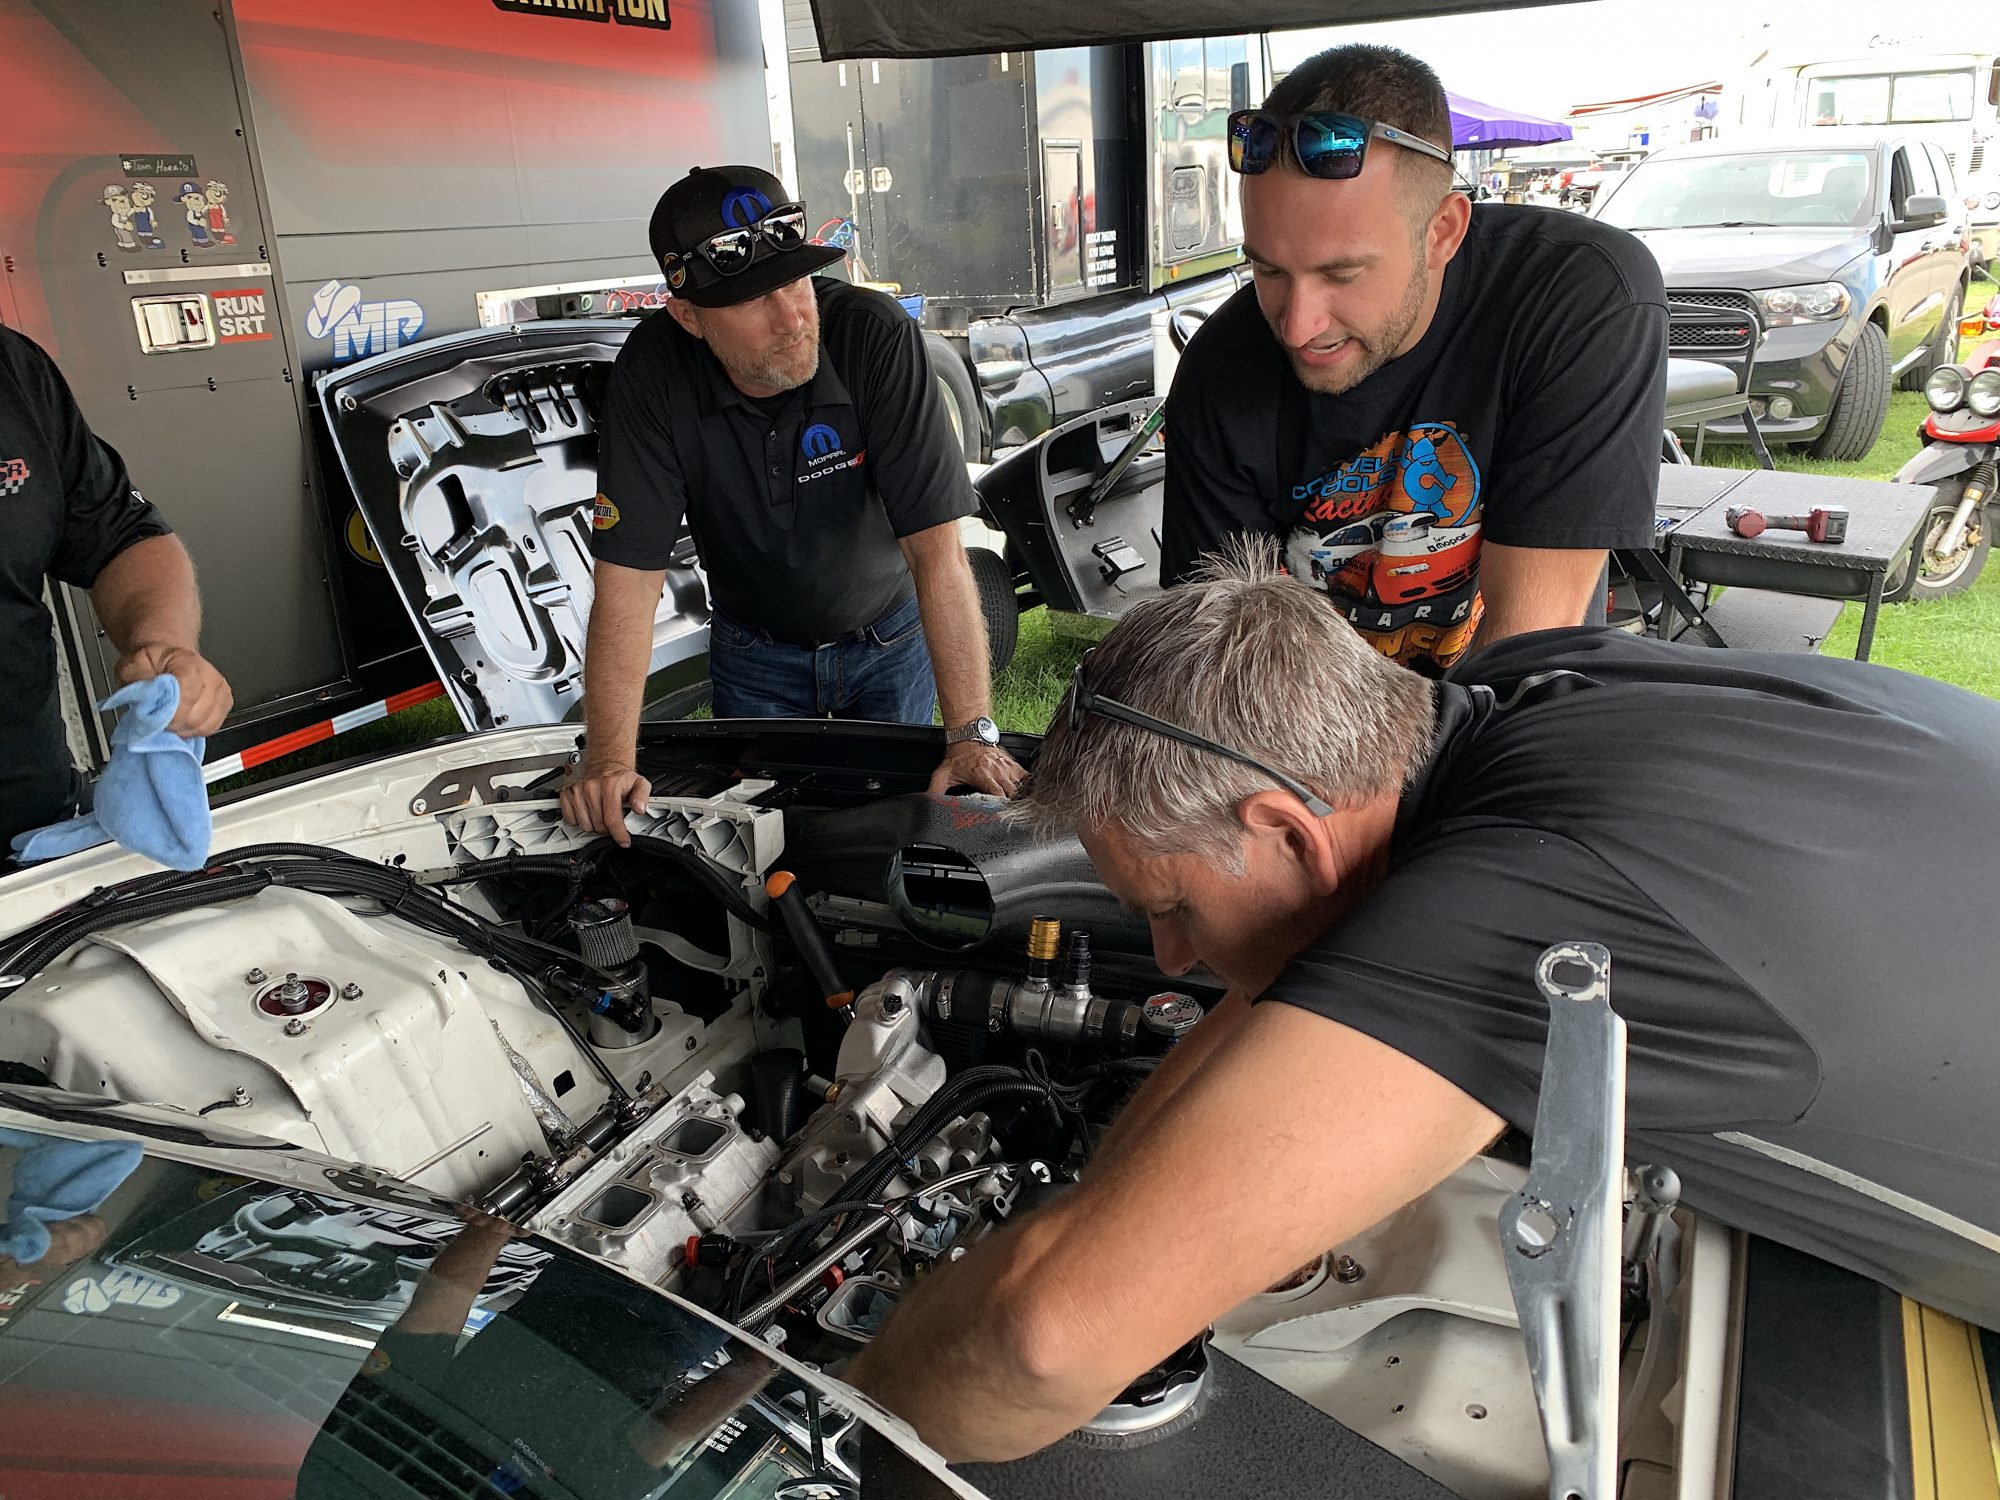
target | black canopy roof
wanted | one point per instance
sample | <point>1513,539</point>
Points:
<point>942,28</point>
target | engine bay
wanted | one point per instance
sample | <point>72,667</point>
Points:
<point>812,1035</point>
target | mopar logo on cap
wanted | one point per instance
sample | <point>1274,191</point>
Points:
<point>744,206</point>
<point>819,441</point>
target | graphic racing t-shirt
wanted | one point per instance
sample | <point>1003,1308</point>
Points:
<point>1530,414</point>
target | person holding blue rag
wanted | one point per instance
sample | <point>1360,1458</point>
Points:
<point>69,512</point>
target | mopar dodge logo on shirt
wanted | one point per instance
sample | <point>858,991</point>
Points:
<point>824,453</point>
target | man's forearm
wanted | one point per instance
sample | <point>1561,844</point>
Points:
<point>1535,588</point>
<point>146,595</point>
<point>954,1361</point>
<point>1175,1069</point>
<point>617,650</point>
<point>954,629</point>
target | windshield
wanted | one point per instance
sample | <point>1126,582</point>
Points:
<point>1889,99</point>
<point>1826,189</point>
<point>174,1332</point>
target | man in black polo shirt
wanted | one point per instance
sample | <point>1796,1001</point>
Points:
<point>793,422</point>
<point>1446,414</point>
<point>68,511</point>
<point>1776,850</point>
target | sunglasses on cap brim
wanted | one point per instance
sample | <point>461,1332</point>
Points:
<point>733,250</point>
<point>1326,143</point>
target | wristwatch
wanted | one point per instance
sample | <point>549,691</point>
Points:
<point>982,729</point>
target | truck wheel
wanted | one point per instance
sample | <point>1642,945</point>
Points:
<point>1943,348</point>
<point>1861,402</point>
<point>997,605</point>
<point>961,401</point>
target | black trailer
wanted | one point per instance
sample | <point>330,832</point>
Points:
<point>206,203</point>
<point>1037,207</point>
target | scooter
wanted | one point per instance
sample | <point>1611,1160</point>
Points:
<point>1961,458</point>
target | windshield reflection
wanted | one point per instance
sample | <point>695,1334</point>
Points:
<point>175,1331</point>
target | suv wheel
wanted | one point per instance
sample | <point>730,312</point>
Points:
<point>1944,344</point>
<point>1860,404</point>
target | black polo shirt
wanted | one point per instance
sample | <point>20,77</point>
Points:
<point>796,504</point>
<point>67,507</point>
<point>1784,856</point>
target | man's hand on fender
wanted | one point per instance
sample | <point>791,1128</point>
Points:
<point>205,695</point>
<point>597,799</point>
<point>987,767</point>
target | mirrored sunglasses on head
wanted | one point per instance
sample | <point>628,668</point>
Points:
<point>1325,142</point>
<point>733,250</point>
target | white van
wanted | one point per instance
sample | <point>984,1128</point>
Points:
<point>1951,99</point>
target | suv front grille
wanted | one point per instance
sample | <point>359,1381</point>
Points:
<point>1715,336</point>
<point>1679,302</point>
<point>1705,323</point>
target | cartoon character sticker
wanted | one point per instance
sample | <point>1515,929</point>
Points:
<point>143,196</point>
<point>216,195</point>
<point>118,203</point>
<point>195,201</point>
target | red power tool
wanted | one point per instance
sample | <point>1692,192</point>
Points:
<point>1821,524</point>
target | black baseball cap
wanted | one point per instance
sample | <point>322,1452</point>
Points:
<point>710,201</point>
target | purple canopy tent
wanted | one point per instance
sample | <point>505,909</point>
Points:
<point>1481,127</point>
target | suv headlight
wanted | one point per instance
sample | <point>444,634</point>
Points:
<point>1818,303</point>
<point>1983,395</point>
<point>1945,390</point>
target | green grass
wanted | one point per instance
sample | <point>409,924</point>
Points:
<point>1955,640</point>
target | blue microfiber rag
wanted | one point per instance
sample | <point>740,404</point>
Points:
<point>57,1179</point>
<point>151,797</point>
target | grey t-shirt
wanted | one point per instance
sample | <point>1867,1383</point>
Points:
<point>1788,858</point>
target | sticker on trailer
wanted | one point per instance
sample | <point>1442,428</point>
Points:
<point>1100,250</point>
<point>627,12</point>
<point>242,315</point>
<point>149,164</point>
<point>358,329</point>
<point>359,542</point>
<point>118,204</point>
<point>95,1294</point>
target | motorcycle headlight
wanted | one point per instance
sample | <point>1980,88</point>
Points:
<point>1993,200</point>
<point>1784,305</point>
<point>1983,395</point>
<point>1945,390</point>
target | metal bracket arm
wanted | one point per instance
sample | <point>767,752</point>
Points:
<point>1561,1232</point>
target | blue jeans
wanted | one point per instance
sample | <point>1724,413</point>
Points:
<point>881,671</point>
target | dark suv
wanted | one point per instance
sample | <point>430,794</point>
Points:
<point>1838,257</point>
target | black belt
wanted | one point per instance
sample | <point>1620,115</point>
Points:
<point>856,636</point>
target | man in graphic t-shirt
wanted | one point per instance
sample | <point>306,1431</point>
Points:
<point>1446,415</point>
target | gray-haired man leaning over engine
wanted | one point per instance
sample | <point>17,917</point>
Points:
<point>1773,848</point>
